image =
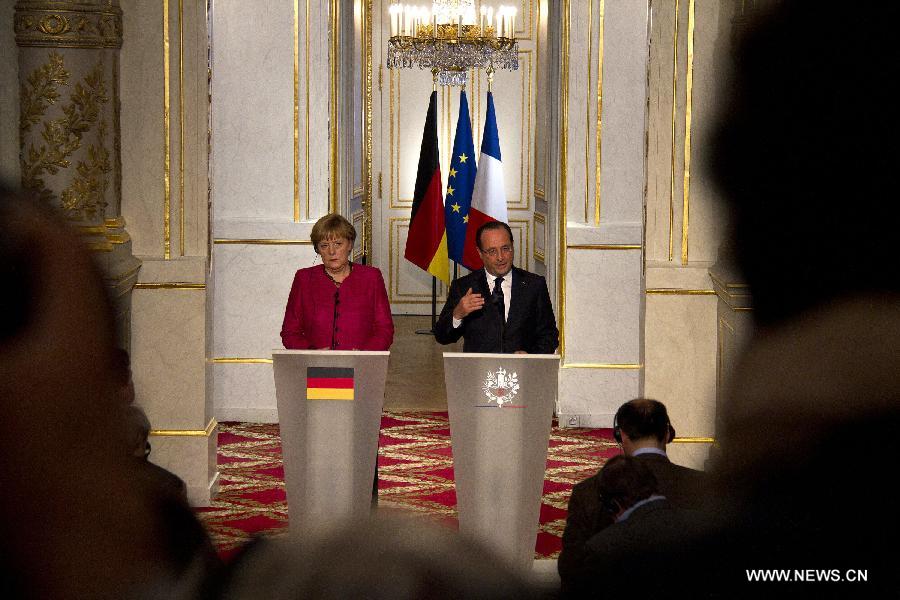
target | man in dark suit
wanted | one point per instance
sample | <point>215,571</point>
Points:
<point>643,429</point>
<point>630,555</point>
<point>499,308</point>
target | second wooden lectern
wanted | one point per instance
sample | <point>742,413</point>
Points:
<point>501,410</point>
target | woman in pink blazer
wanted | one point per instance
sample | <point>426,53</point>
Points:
<point>337,305</point>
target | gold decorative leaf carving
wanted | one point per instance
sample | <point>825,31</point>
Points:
<point>40,91</point>
<point>62,137</point>
<point>87,192</point>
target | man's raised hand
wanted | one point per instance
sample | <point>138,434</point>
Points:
<point>467,304</point>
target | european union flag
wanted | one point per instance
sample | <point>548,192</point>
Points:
<point>460,182</point>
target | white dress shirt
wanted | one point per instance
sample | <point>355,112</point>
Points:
<point>505,285</point>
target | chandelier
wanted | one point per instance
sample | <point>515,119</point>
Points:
<point>449,40</point>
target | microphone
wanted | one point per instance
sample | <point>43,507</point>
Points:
<point>337,300</point>
<point>495,300</point>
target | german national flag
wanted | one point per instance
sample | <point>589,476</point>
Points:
<point>426,245</point>
<point>329,383</point>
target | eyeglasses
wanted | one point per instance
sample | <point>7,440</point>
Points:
<point>495,252</point>
<point>327,245</point>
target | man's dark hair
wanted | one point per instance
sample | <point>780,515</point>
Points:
<point>643,418</point>
<point>490,226</point>
<point>625,481</point>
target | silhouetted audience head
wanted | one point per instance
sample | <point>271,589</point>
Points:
<point>380,559</point>
<point>74,519</point>
<point>807,159</point>
<point>807,154</point>
<point>643,421</point>
<point>625,481</point>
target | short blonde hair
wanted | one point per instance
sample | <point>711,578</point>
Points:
<point>330,227</point>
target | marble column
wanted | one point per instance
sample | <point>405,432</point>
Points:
<point>69,147</point>
<point>601,190</point>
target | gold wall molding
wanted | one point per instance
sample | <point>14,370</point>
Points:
<point>263,242</point>
<point>563,214</point>
<point>525,240</point>
<point>538,188</point>
<point>169,285</point>
<point>694,440</point>
<point>167,134</point>
<point>587,108</point>
<point>213,424</point>
<point>357,219</point>
<point>674,120</point>
<point>367,201</point>
<point>726,325</point>
<point>614,366</point>
<point>181,127</point>
<point>598,152</point>
<point>126,275</point>
<point>99,246</point>
<point>526,155</point>
<point>527,29</point>
<point>115,230</point>
<point>679,292</point>
<point>334,109</point>
<point>240,361</point>
<point>540,253</point>
<point>117,138</point>
<point>46,23</point>
<point>90,229</point>
<point>736,296</point>
<point>689,91</point>
<point>296,32</point>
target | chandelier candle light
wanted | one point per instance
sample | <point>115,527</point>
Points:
<point>449,40</point>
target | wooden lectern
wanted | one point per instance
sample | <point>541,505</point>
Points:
<point>329,413</point>
<point>501,411</point>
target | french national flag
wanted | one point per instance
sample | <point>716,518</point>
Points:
<point>489,194</point>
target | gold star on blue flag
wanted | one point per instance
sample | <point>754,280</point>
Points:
<point>460,183</point>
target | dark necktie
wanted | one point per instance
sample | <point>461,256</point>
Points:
<point>497,298</point>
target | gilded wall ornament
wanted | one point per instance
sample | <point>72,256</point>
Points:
<point>62,137</point>
<point>86,195</point>
<point>39,92</point>
<point>57,24</point>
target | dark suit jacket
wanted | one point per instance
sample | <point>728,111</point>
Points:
<point>683,487</point>
<point>631,558</point>
<point>530,326</point>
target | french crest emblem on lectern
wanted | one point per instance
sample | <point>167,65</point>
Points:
<point>501,386</point>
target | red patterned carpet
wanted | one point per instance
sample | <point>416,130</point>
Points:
<point>415,475</point>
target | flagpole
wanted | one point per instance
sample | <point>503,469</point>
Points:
<point>433,303</point>
<point>433,309</point>
<point>434,87</point>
